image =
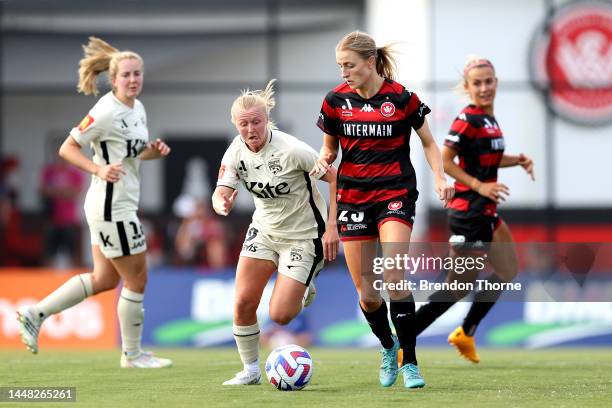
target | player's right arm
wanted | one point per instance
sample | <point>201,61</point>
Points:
<point>492,190</point>
<point>456,143</point>
<point>327,155</point>
<point>227,181</point>
<point>93,127</point>
<point>71,152</point>
<point>223,200</point>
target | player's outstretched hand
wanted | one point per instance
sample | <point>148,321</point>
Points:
<point>321,166</point>
<point>161,147</point>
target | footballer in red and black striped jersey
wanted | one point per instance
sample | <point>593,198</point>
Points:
<point>374,135</point>
<point>479,143</point>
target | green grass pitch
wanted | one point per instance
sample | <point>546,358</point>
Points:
<point>342,378</point>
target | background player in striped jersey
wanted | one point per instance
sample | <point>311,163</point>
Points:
<point>371,117</point>
<point>116,130</point>
<point>477,141</point>
<point>288,231</point>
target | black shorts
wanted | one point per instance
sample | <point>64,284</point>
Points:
<point>477,231</point>
<point>355,224</point>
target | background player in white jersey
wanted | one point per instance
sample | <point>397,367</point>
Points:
<point>288,231</point>
<point>116,130</point>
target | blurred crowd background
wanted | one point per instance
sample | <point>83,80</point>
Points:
<point>200,54</point>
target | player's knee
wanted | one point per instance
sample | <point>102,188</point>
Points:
<point>105,285</point>
<point>281,317</point>
<point>245,307</point>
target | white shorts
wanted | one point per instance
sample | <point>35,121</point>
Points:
<point>118,238</point>
<point>298,259</point>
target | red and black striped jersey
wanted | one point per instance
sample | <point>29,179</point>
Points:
<point>479,143</point>
<point>374,135</point>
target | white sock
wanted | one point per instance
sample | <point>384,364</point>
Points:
<point>73,291</point>
<point>247,340</point>
<point>131,319</point>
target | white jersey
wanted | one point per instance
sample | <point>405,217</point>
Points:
<point>116,134</point>
<point>287,201</point>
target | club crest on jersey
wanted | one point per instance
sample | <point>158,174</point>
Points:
<point>274,165</point>
<point>395,205</point>
<point>85,123</point>
<point>387,109</point>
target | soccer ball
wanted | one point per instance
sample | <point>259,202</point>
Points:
<point>289,368</point>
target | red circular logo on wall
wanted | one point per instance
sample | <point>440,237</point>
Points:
<point>572,57</point>
<point>395,205</point>
<point>387,109</point>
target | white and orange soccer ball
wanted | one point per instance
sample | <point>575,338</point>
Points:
<point>289,368</point>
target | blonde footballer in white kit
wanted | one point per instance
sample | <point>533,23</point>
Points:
<point>116,130</point>
<point>288,232</point>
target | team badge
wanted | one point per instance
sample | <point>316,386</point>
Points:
<point>570,62</point>
<point>387,109</point>
<point>251,234</point>
<point>85,123</point>
<point>296,254</point>
<point>395,205</point>
<point>274,165</point>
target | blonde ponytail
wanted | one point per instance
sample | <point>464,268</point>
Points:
<point>99,56</point>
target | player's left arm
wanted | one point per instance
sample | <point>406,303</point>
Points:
<point>331,240</point>
<point>155,150</point>
<point>520,160</point>
<point>432,153</point>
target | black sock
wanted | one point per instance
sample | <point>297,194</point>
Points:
<point>403,318</point>
<point>483,302</point>
<point>439,302</point>
<point>379,323</point>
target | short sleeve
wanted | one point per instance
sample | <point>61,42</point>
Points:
<point>328,121</point>
<point>228,171</point>
<point>92,126</point>
<point>304,156</point>
<point>460,132</point>
<point>416,111</point>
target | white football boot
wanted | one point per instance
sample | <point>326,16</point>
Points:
<point>245,377</point>
<point>29,327</point>
<point>145,359</point>
<point>309,294</point>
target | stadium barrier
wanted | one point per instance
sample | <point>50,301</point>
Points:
<point>92,324</point>
<point>189,308</point>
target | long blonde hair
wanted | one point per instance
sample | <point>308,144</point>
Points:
<point>258,98</point>
<point>100,56</point>
<point>365,46</point>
